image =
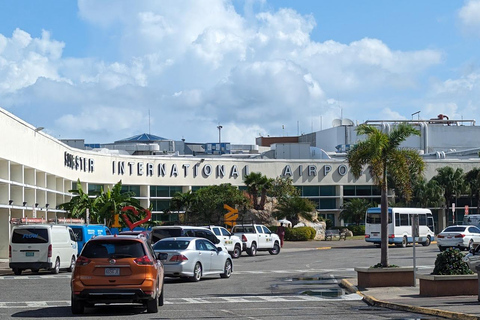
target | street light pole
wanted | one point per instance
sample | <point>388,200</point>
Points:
<point>219,134</point>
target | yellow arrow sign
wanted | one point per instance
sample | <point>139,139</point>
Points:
<point>232,213</point>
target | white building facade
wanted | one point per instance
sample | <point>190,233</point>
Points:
<point>37,171</point>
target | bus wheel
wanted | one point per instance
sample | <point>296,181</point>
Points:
<point>427,242</point>
<point>404,242</point>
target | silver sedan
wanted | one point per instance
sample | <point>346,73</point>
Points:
<point>462,237</point>
<point>193,258</point>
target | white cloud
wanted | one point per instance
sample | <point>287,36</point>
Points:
<point>193,66</point>
<point>469,16</point>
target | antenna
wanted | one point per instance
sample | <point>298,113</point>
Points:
<point>149,121</point>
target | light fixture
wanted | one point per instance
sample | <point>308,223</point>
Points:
<point>24,203</point>
<point>39,129</point>
<point>10,202</point>
<point>47,205</point>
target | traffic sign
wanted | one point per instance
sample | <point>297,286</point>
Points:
<point>231,216</point>
<point>466,210</point>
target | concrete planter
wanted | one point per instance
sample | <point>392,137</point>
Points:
<point>385,277</point>
<point>439,285</point>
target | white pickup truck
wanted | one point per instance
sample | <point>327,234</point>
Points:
<point>257,237</point>
<point>232,243</point>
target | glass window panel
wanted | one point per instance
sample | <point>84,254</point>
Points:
<point>160,205</point>
<point>328,204</point>
<point>133,189</point>
<point>94,189</point>
<point>363,190</point>
<point>175,190</point>
<point>311,191</point>
<point>348,190</point>
<point>327,191</point>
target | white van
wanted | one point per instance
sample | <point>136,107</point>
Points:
<point>42,246</point>
<point>472,219</point>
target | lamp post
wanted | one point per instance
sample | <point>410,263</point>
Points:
<point>219,134</point>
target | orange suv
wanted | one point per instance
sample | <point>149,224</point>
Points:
<point>114,269</point>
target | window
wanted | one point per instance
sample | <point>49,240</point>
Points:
<point>32,235</point>
<point>259,229</point>
<point>94,189</point>
<point>328,204</point>
<point>310,191</point>
<point>348,190</point>
<point>164,191</point>
<point>328,191</point>
<point>225,232</point>
<point>404,221</point>
<point>135,190</point>
<point>160,205</point>
<point>216,231</point>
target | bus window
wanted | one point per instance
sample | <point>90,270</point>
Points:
<point>422,220</point>
<point>375,217</point>
<point>404,221</point>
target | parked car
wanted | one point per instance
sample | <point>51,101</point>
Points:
<point>193,258</point>
<point>84,232</point>
<point>42,246</point>
<point>142,233</point>
<point>257,237</point>
<point>473,258</point>
<point>162,232</point>
<point>459,236</point>
<point>232,243</point>
<point>115,269</point>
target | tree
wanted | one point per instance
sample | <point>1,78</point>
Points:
<point>79,204</point>
<point>426,194</point>
<point>293,208</point>
<point>452,182</point>
<point>381,153</point>
<point>258,184</point>
<point>111,202</point>
<point>282,187</point>
<point>206,204</point>
<point>354,210</point>
<point>472,178</point>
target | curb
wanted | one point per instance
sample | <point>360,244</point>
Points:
<point>403,307</point>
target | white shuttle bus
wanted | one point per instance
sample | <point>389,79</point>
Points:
<point>400,226</point>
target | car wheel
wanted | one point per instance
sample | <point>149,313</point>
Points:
<point>78,306</point>
<point>72,265</point>
<point>253,250</point>
<point>56,268</point>
<point>227,270</point>
<point>275,250</point>
<point>17,271</point>
<point>197,272</point>
<point>427,242</point>
<point>161,299</point>
<point>404,242</point>
<point>237,251</point>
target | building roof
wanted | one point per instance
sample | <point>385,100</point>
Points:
<point>144,137</point>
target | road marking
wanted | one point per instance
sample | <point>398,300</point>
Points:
<point>212,300</point>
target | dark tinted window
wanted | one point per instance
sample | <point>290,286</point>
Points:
<point>454,229</point>
<point>171,245</point>
<point>30,236</point>
<point>78,233</point>
<point>159,234</point>
<point>113,249</point>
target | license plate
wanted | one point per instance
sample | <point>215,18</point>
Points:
<point>163,256</point>
<point>375,234</point>
<point>29,254</point>
<point>112,271</point>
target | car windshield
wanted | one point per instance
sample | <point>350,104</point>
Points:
<point>454,229</point>
<point>116,249</point>
<point>32,235</point>
<point>171,245</point>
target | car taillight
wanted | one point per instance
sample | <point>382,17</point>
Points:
<point>244,239</point>
<point>440,236</point>
<point>461,235</point>
<point>82,261</point>
<point>367,236</point>
<point>178,258</point>
<point>391,236</point>
<point>145,260</point>
<point>9,251</point>
<point>50,251</point>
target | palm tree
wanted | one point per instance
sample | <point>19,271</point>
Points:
<point>472,178</point>
<point>452,182</point>
<point>427,194</point>
<point>258,184</point>
<point>354,210</point>
<point>111,202</point>
<point>293,208</point>
<point>381,152</point>
<point>79,204</point>
<point>182,202</point>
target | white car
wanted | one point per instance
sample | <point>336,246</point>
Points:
<point>232,243</point>
<point>460,236</point>
<point>473,258</point>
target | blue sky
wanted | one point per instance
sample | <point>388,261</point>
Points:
<point>109,69</point>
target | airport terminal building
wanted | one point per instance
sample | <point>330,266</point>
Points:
<point>37,170</point>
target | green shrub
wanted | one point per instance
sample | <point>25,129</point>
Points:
<point>300,234</point>
<point>357,230</point>
<point>450,262</point>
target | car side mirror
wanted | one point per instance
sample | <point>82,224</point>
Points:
<point>219,249</point>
